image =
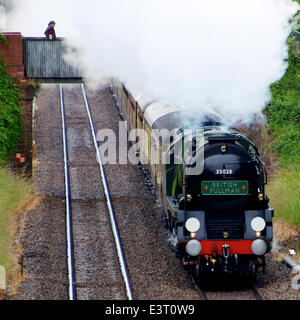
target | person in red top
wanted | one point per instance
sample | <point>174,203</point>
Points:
<point>50,32</point>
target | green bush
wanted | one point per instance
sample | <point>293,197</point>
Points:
<point>283,113</point>
<point>285,106</point>
<point>286,142</point>
<point>283,116</point>
<point>3,39</point>
<point>10,114</point>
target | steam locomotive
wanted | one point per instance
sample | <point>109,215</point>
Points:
<point>218,215</point>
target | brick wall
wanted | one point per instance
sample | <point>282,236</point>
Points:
<point>12,54</point>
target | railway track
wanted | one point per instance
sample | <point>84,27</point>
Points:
<point>76,267</point>
<point>251,293</point>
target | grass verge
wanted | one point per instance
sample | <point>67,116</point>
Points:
<point>15,194</point>
<point>284,194</point>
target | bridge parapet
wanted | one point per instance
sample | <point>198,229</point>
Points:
<point>50,59</point>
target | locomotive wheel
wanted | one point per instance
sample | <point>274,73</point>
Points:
<point>170,222</point>
<point>198,272</point>
<point>252,272</point>
<point>167,221</point>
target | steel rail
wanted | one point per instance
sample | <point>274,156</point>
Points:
<point>258,293</point>
<point>70,255</point>
<point>201,292</point>
<point>109,204</point>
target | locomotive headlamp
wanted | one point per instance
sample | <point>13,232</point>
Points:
<point>223,149</point>
<point>192,225</point>
<point>189,197</point>
<point>258,224</point>
<point>259,247</point>
<point>193,248</point>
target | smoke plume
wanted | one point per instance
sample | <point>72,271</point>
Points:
<point>218,54</point>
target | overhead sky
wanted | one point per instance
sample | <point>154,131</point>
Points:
<point>218,54</point>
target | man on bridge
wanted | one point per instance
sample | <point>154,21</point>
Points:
<point>50,32</point>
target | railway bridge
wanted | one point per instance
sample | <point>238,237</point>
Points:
<point>29,59</point>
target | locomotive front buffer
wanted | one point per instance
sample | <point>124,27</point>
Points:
<point>237,248</point>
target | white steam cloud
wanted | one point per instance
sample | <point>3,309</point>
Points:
<point>2,17</point>
<point>218,54</point>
